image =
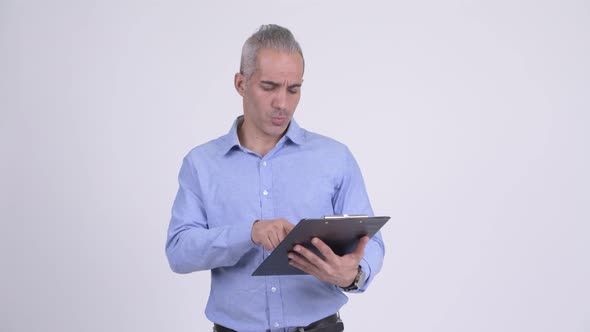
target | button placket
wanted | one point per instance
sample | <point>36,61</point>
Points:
<point>273,297</point>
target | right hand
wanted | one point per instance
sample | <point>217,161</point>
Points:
<point>270,233</point>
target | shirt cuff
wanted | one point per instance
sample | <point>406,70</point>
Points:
<point>240,238</point>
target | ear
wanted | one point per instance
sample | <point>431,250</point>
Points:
<point>240,84</point>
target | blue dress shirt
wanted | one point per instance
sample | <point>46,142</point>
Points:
<point>224,188</point>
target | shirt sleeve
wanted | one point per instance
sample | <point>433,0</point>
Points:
<point>191,245</point>
<point>352,198</point>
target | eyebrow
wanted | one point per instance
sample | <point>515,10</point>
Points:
<point>296,85</point>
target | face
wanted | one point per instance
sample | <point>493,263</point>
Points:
<point>271,94</point>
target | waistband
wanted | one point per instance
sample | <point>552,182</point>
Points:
<point>332,319</point>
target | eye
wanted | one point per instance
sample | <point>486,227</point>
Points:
<point>267,87</point>
<point>293,91</point>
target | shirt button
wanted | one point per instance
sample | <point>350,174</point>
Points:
<point>277,324</point>
<point>265,192</point>
<point>274,289</point>
<point>264,163</point>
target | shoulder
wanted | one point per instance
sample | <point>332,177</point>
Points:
<point>325,144</point>
<point>330,157</point>
<point>210,150</point>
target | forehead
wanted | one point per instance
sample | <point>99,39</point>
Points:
<point>274,64</point>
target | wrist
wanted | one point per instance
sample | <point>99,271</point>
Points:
<point>357,282</point>
<point>348,280</point>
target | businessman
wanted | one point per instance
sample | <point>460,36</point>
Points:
<point>240,194</point>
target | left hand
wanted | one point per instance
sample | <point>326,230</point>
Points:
<point>337,270</point>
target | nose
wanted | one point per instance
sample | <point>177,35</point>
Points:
<point>279,100</point>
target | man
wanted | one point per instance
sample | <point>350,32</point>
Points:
<point>240,194</point>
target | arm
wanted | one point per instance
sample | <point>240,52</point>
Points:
<point>191,245</point>
<point>351,198</point>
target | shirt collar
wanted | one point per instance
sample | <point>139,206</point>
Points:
<point>294,133</point>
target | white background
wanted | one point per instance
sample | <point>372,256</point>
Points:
<point>470,121</point>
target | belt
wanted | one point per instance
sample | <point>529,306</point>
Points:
<point>315,326</point>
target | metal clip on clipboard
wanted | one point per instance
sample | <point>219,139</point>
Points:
<point>346,216</point>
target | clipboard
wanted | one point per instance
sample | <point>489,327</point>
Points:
<point>340,233</point>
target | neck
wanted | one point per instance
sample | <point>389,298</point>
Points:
<point>251,140</point>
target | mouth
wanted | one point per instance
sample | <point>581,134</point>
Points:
<point>278,120</point>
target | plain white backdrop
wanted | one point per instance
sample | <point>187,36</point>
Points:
<point>469,119</point>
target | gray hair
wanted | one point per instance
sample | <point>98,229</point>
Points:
<point>268,36</point>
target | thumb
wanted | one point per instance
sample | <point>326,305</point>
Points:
<point>359,250</point>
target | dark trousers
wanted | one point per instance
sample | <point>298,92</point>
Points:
<point>331,323</point>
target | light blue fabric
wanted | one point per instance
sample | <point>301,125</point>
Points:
<point>224,188</point>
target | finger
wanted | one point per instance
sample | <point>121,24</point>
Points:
<point>359,250</point>
<point>276,238</point>
<point>295,263</point>
<point>302,267</point>
<point>268,243</point>
<point>285,226</point>
<point>297,259</point>
<point>301,263</point>
<point>281,234</point>
<point>324,249</point>
<point>288,227</point>
<point>311,257</point>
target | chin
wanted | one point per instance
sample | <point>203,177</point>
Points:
<point>277,131</point>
